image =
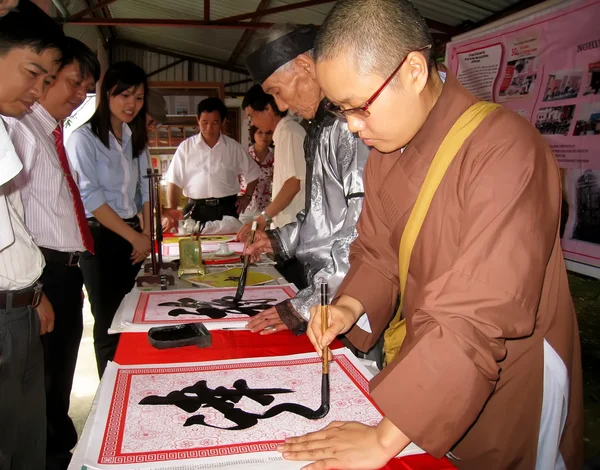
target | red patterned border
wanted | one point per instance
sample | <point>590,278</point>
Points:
<point>139,316</point>
<point>110,452</point>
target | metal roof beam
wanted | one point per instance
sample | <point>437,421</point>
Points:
<point>441,27</point>
<point>271,11</point>
<point>206,10</point>
<point>90,10</point>
<point>515,8</point>
<point>198,60</point>
<point>166,67</point>
<point>166,23</point>
<point>238,82</point>
<point>245,39</point>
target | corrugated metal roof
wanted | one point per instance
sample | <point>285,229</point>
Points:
<point>218,44</point>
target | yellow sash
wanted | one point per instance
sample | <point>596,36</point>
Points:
<point>460,131</point>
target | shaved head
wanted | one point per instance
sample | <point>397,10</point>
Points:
<point>377,34</point>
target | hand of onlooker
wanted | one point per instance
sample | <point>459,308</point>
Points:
<point>262,244</point>
<point>170,219</point>
<point>242,203</point>
<point>46,314</point>
<point>266,322</point>
<point>141,248</point>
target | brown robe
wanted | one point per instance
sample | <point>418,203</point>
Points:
<point>486,284</point>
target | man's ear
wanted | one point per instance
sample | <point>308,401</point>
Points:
<point>305,64</point>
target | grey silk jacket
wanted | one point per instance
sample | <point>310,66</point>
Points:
<point>321,236</point>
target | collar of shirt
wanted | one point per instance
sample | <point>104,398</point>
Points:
<point>46,121</point>
<point>280,125</point>
<point>126,133</point>
<point>207,148</point>
<point>9,160</point>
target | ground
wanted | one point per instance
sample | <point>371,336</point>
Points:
<point>586,296</point>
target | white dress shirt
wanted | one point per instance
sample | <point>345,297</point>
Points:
<point>203,172</point>
<point>108,175</point>
<point>49,209</point>
<point>289,163</point>
<point>21,262</point>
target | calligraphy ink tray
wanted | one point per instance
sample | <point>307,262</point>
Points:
<point>187,334</point>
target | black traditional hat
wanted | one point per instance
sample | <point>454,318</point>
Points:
<point>263,62</point>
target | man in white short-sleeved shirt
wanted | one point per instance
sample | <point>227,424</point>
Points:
<point>206,168</point>
<point>289,172</point>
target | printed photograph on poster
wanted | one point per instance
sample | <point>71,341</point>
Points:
<point>588,119</point>
<point>585,187</point>
<point>555,120</point>
<point>519,79</point>
<point>478,70</point>
<point>563,85</point>
<point>564,208</point>
<point>593,79</point>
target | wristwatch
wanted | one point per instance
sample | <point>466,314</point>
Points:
<point>267,218</point>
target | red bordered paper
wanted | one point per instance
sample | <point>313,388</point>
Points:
<point>126,433</point>
<point>140,310</point>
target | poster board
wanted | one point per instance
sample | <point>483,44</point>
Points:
<point>545,66</point>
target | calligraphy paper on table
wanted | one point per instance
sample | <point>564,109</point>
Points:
<point>170,245</point>
<point>140,311</point>
<point>126,433</point>
<point>231,278</point>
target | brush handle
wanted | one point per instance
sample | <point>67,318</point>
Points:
<point>324,325</point>
<point>242,284</point>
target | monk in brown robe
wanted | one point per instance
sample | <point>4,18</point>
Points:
<point>489,373</point>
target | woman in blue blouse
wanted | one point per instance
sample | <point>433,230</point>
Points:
<point>108,154</point>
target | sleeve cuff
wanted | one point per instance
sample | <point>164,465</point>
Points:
<point>94,200</point>
<point>276,243</point>
<point>377,294</point>
<point>292,319</point>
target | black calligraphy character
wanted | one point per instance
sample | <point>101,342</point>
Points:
<point>224,400</point>
<point>218,308</point>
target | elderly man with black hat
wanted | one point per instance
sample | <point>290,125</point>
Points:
<point>335,158</point>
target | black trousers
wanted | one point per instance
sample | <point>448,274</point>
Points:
<point>206,213</point>
<point>22,398</point>
<point>63,286</point>
<point>108,276</point>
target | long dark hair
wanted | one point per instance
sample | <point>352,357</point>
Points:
<point>118,78</point>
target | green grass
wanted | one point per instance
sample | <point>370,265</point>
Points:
<point>586,297</point>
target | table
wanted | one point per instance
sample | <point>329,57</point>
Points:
<point>134,349</point>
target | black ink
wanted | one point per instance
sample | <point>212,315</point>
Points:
<point>218,308</point>
<point>199,395</point>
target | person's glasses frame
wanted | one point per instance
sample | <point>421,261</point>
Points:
<point>363,111</point>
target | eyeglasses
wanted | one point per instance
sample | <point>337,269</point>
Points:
<point>363,111</point>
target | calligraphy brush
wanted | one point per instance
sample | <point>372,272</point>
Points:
<point>324,324</point>
<point>242,282</point>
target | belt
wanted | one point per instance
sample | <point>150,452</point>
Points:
<point>70,259</point>
<point>29,296</point>
<point>134,222</point>
<point>213,201</point>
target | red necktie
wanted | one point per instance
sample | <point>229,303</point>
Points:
<point>84,229</point>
